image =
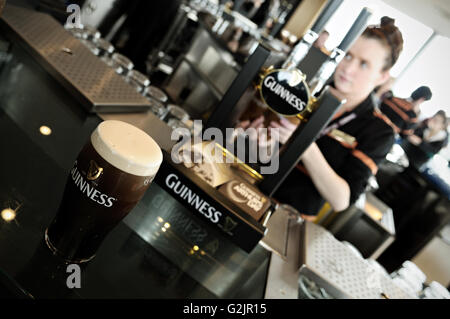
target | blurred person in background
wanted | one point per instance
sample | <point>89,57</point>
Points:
<point>404,112</point>
<point>431,135</point>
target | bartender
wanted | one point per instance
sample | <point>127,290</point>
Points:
<point>334,169</point>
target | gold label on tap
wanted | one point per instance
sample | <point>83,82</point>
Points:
<point>285,91</point>
<point>247,197</point>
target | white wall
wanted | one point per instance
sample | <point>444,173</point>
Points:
<point>434,261</point>
<point>432,68</point>
<point>415,34</point>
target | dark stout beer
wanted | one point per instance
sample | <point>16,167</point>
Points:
<point>109,177</point>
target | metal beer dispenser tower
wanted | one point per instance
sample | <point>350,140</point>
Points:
<point>220,117</point>
<point>315,113</point>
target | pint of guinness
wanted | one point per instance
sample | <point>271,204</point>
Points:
<point>109,177</point>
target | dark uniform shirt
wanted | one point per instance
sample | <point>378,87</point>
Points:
<point>401,114</point>
<point>355,162</point>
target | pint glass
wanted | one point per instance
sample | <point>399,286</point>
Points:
<point>109,177</point>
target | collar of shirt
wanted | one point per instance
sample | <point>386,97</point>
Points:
<point>342,119</point>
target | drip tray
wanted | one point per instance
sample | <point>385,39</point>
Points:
<point>91,81</point>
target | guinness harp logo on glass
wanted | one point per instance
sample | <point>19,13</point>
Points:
<point>229,224</point>
<point>285,91</point>
<point>94,171</point>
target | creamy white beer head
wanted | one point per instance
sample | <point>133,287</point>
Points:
<point>127,148</point>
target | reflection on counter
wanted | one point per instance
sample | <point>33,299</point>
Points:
<point>194,245</point>
<point>8,214</point>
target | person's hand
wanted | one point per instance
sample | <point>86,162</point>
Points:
<point>257,131</point>
<point>256,123</point>
<point>285,129</point>
<point>257,3</point>
<point>269,23</point>
<point>413,139</point>
<point>252,125</point>
<point>233,45</point>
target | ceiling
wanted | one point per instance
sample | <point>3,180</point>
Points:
<point>433,13</point>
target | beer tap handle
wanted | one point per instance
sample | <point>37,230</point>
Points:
<point>327,69</point>
<point>325,15</point>
<point>356,29</point>
<point>2,5</point>
<point>302,48</point>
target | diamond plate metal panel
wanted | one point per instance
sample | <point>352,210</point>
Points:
<point>344,274</point>
<point>89,79</point>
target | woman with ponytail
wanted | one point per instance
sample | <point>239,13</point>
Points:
<point>337,166</point>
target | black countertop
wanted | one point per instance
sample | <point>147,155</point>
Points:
<point>137,259</point>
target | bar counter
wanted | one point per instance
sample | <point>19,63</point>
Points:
<point>160,250</point>
<point>163,248</point>
<point>137,260</point>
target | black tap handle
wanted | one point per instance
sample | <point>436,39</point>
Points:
<point>356,29</point>
<point>325,15</point>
